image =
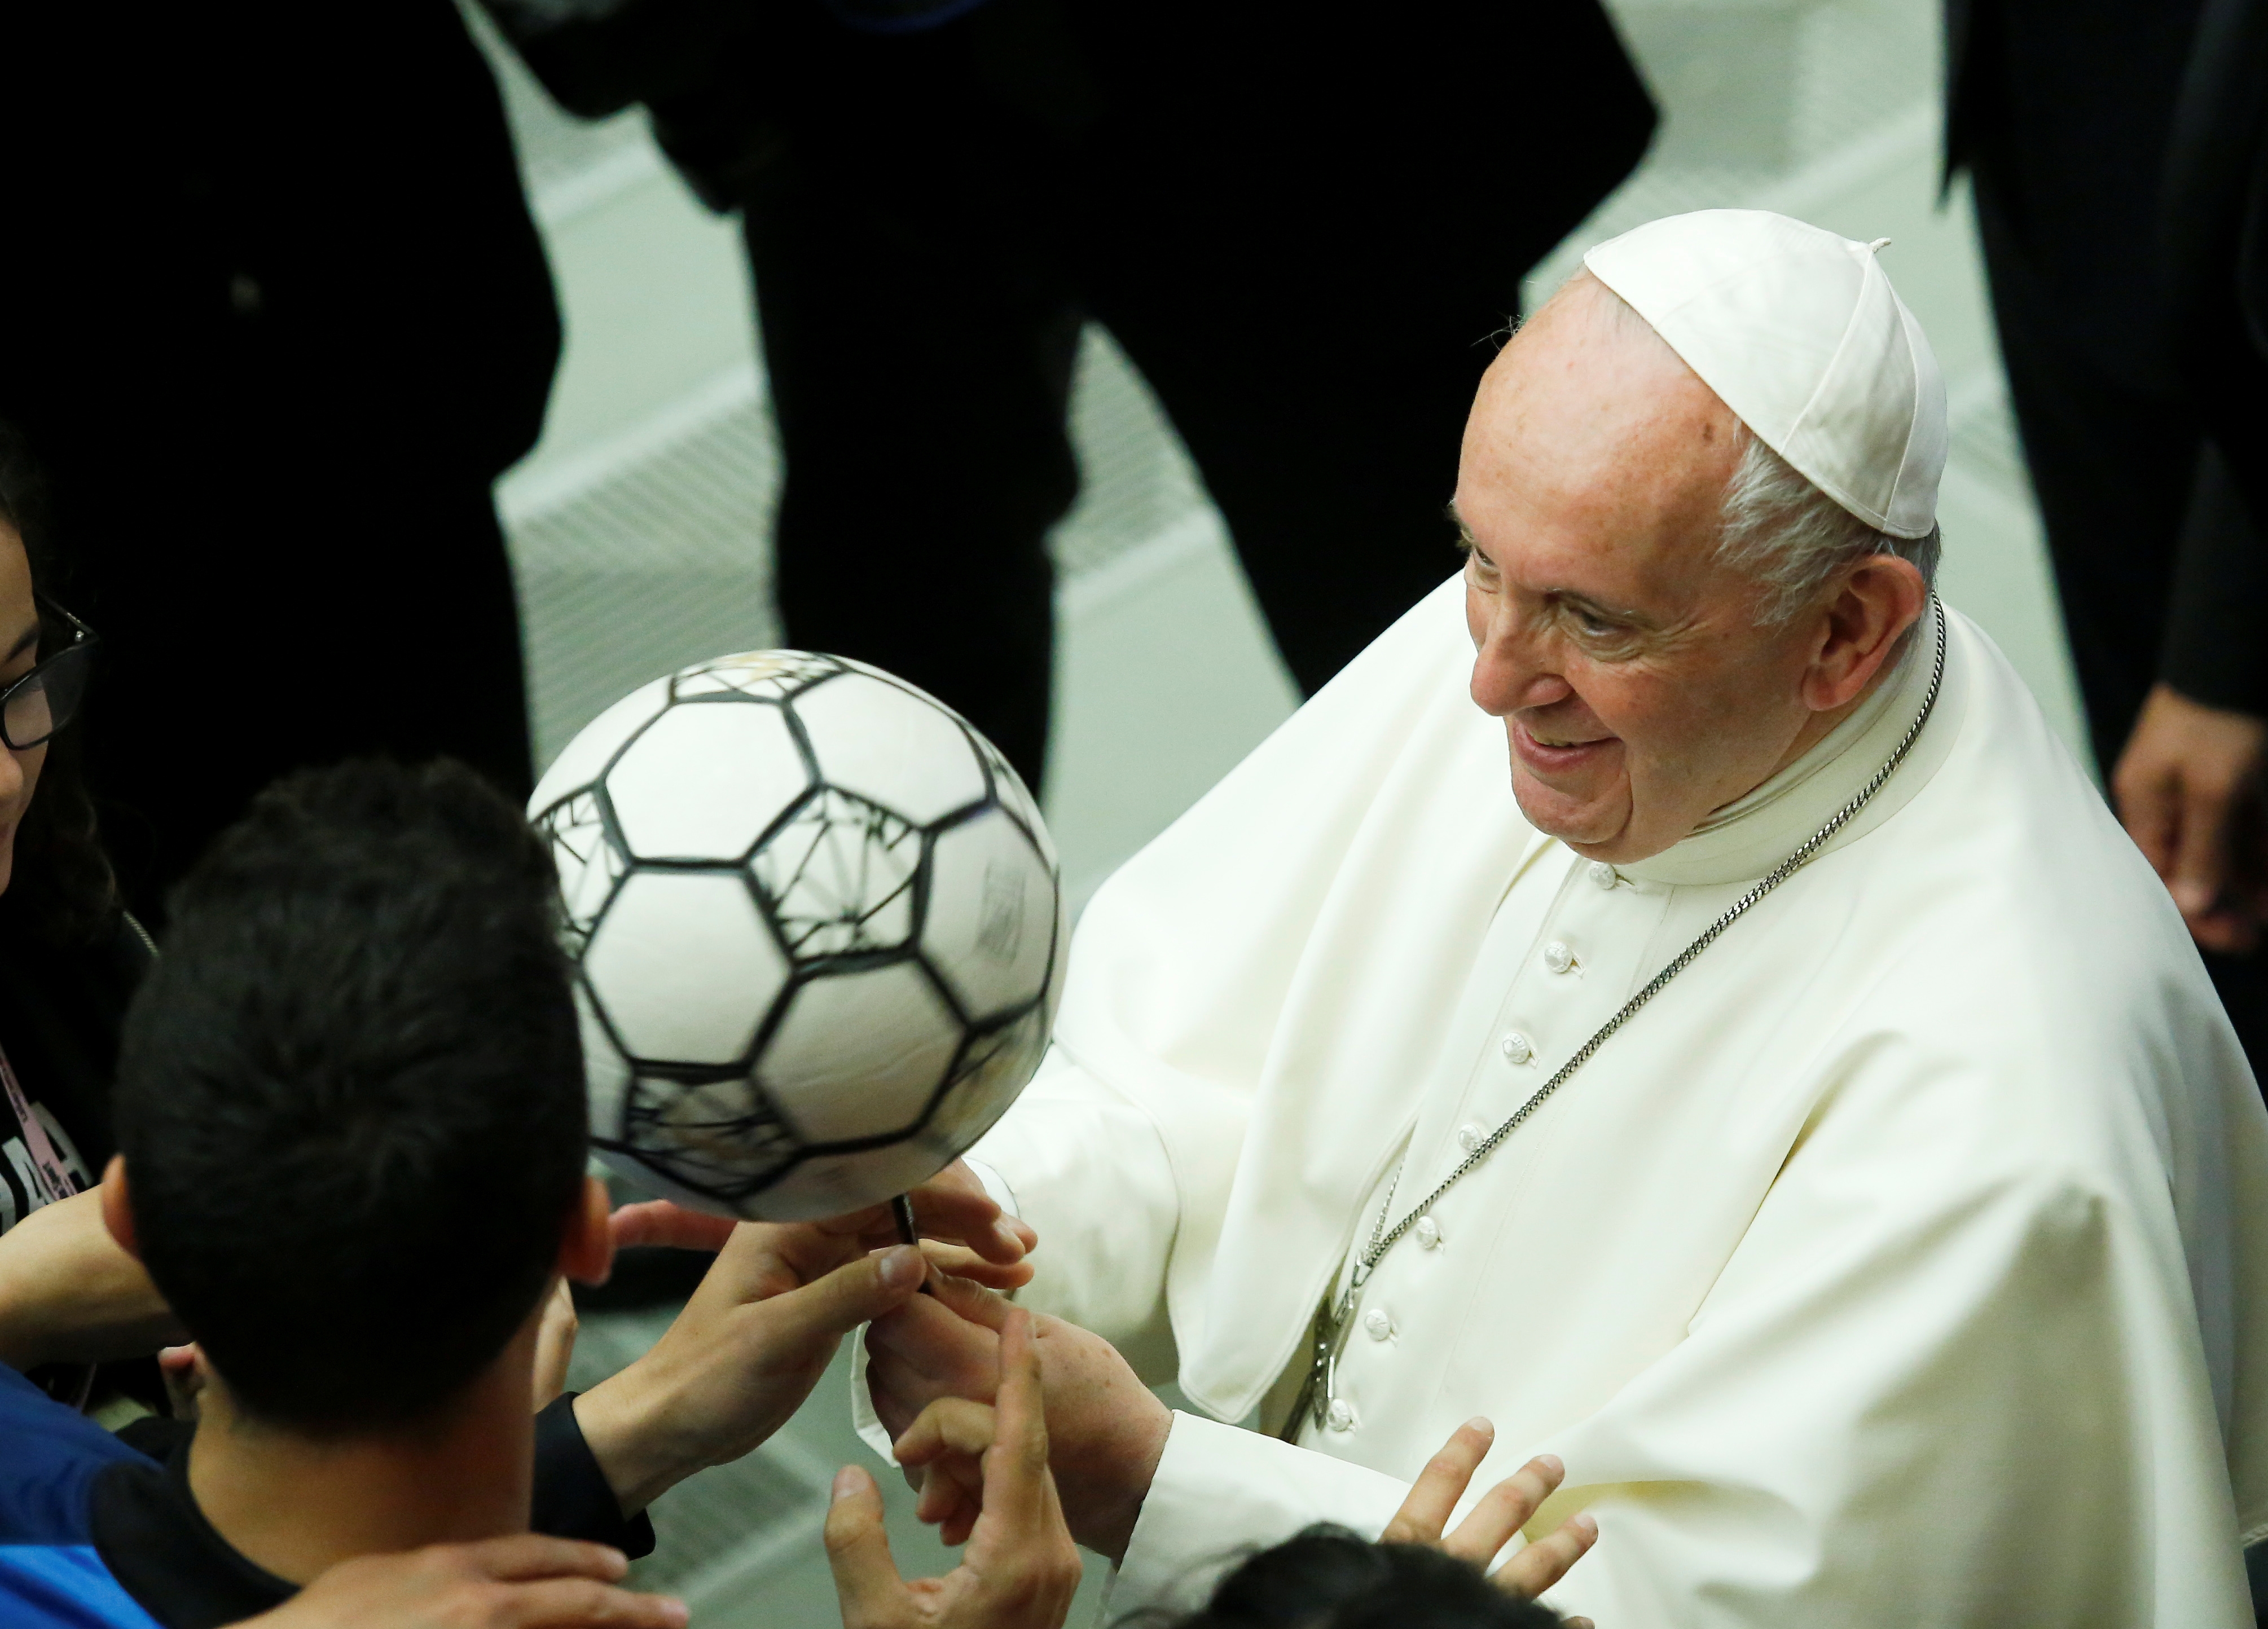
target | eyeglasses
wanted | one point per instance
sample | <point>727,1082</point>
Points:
<point>47,698</point>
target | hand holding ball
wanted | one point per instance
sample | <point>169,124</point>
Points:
<point>817,931</point>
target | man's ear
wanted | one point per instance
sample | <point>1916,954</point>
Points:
<point>117,1210</point>
<point>1883,596</point>
<point>586,1247</point>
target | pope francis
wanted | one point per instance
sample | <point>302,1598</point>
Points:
<point>1795,1105</point>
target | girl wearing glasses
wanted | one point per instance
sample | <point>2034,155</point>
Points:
<point>70,958</point>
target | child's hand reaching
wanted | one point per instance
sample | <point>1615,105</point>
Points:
<point>988,1483</point>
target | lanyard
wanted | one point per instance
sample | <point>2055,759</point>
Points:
<point>50,1181</point>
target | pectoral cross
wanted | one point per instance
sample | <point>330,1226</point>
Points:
<point>1334,1320</point>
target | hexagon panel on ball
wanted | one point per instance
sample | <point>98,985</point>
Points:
<point>712,1145</point>
<point>705,780</point>
<point>840,877</point>
<point>684,967</point>
<point>891,747</point>
<point>989,930</point>
<point>860,1054</point>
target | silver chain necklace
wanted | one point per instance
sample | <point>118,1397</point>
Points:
<point>1331,1328</point>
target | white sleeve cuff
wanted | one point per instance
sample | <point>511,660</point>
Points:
<point>864,1420</point>
<point>1221,1494</point>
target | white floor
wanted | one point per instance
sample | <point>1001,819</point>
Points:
<point>639,523</point>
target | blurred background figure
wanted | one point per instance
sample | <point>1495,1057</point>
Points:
<point>2120,194</point>
<point>277,317</point>
<point>1302,227</point>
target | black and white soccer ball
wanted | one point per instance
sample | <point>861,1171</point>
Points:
<point>817,930</point>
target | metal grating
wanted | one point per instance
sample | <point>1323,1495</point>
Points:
<point>654,551</point>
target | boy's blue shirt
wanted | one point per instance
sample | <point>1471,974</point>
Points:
<point>50,1577</point>
<point>49,1456</point>
<point>63,1587</point>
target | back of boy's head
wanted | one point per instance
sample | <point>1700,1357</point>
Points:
<point>1328,1578</point>
<point>350,1095</point>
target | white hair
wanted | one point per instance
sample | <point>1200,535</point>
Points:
<point>1791,538</point>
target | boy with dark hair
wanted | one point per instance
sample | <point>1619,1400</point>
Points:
<point>351,1113</point>
<point>351,1100</point>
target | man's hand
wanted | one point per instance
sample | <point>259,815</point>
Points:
<point>740,1358</point>
<point>1106,1430</point>
<point>2188,788</point>
<point>1020,1568</point>
<point>524,1583</point>
<point>958,1221</point>
<point>758,1333</point>
<point>70,1294</point>
<point>1503,1511</point>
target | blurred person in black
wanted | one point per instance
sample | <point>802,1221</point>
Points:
<point>1302,225</point>
<point>277,317</point>
<point>2116,148</point>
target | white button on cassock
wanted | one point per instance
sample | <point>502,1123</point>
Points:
<point>1517,1046</point>
<point>1469,1137</point>
<point>1603,874</point>
<point>1376,1323</point>
<point>1341,1415</point>
<point>1428,1233</point>
<point>1557,957</point>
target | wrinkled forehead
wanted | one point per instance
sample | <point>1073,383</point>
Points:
<point>1588,403</point>
<point>1584,322</point>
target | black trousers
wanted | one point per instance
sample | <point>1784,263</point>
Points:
<point>270,379</point>
<point>1311,283</point>
<point>301,617</point>
<point>2113,467</point>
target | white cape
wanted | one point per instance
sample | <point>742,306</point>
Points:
<point>1904,1262</point>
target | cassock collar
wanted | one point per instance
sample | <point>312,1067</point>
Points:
<point>1750,835</point>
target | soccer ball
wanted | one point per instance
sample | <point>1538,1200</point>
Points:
<point>817,931</point>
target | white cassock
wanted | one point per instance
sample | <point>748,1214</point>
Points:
<point>1904,1262</point>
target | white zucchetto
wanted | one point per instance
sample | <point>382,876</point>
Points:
<point>1799,333</point>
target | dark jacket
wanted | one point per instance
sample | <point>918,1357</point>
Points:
<point>263,232</point>
<point>276,316</point>
<point>2214,233</point>
<point>2117,149</point>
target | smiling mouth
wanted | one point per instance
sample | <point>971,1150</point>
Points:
<point>1547,754</point>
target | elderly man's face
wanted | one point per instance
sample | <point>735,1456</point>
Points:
<point>1636,689</point>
